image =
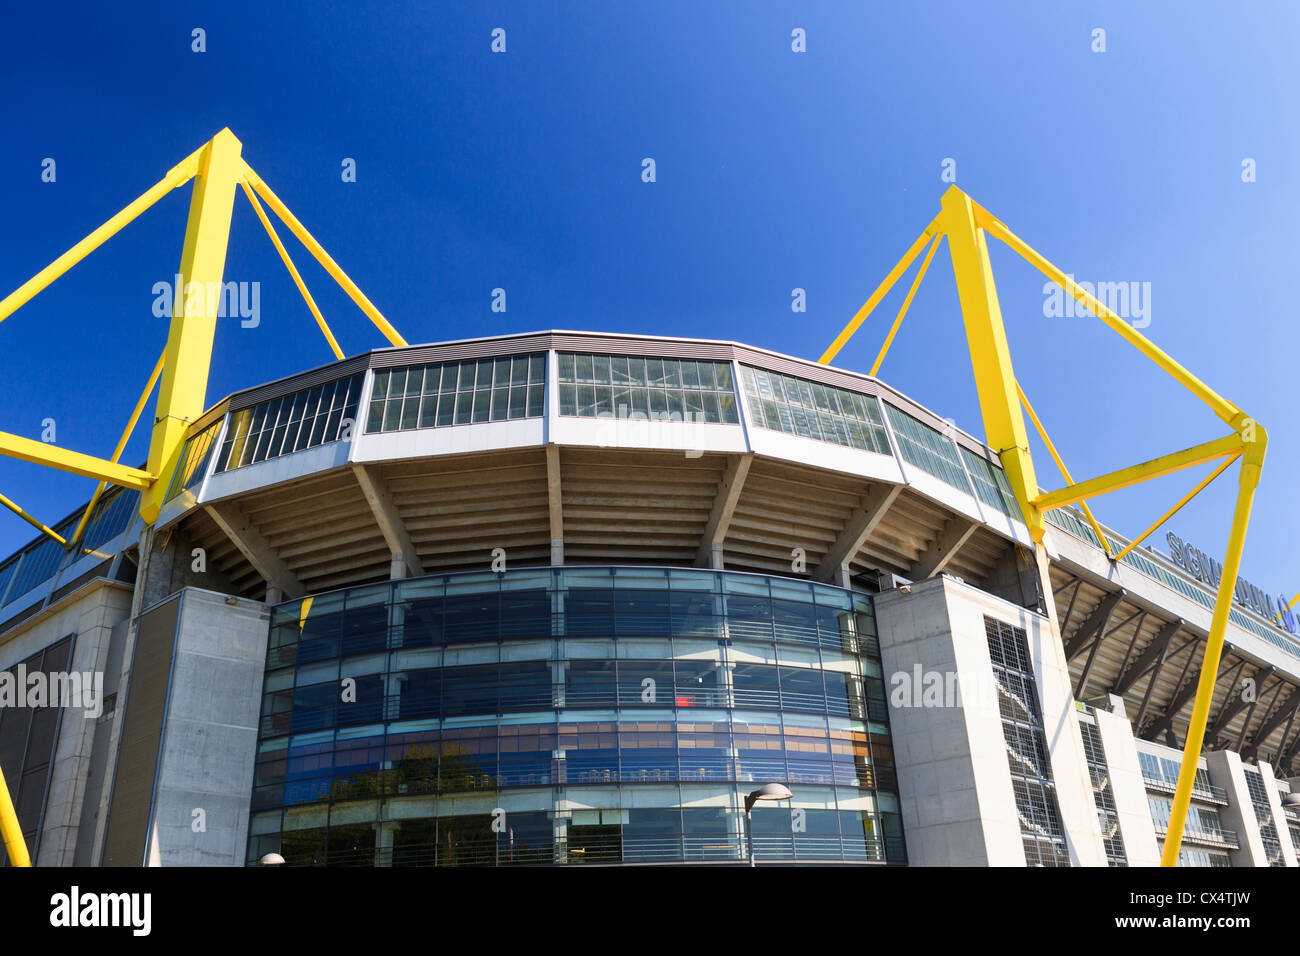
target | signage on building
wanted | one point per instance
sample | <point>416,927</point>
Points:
<point>1208,571</point>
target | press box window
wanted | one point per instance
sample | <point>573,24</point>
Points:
<point>505,388</point>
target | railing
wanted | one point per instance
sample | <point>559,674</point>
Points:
<point>605,847</point>
<point>1221,837</point>
<point>1210,794</point>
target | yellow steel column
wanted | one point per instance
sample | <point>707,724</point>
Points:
<point>995,380</point>
<point>184,384</point>
<point>10,829</point>
<point>1251,462</point>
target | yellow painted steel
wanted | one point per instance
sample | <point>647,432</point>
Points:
<point>34,522</point>
<point>1065,472</point>
<point>288,264</point>
<point>184,384</point>
<point>966,224</point>
<point>11,830</point>
<point>63,459</point>
<point>1252,462</point>
<point>1221,406</point>
<point>1201,486</point>
<point>907,301</point>
<point>121,447</point>
<point>1155,468</point>
<point>881,291</point>
<point>995,380</point>
<point>321,256</point>
<point>179,175</point>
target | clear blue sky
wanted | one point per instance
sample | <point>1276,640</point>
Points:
<point>775,170</point>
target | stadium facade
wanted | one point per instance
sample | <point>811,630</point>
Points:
<point>568,598</point>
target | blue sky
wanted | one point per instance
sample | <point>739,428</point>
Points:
<point>775,170</point>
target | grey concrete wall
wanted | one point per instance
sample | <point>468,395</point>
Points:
<point>91,615</point>
<point>210,733</point>
<point>1225,770</point>
<point>958,805</point>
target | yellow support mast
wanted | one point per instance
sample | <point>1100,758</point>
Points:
<point>967,227</point>
<point>217,168</point>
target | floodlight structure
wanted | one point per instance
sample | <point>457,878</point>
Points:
<point>967,226</point>
<point>181,373</point>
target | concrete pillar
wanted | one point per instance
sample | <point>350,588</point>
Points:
<point>1141,847</point>
<point>959,807</point>
<point>385,831</point>
<point>557,552</point>
<point>1225,769</point>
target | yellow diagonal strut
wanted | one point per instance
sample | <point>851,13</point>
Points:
<point>182,372</point>
<point>966,226</point>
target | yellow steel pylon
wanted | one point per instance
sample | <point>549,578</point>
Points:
<point>967,227</point>
<point>216,168</point>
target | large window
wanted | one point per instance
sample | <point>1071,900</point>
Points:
<point>458,393</point>
<point>928,449</point>
<point>1111,837</point>
<point>612,714</point>
<point>1028,757</point>
<point>28,739</point>
<point>305,419</point>
<point>668,389</point>
<point>193,464</point>
<point>812,410</point>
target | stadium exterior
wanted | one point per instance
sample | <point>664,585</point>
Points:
<point>569,597</point>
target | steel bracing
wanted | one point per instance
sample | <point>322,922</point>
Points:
<point>216,169</point>
<point>967,226</point>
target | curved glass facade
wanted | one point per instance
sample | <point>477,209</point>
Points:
<point>574,715</point>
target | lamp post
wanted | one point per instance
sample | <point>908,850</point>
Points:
<point>769,791</point>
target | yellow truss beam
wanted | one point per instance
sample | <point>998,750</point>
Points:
<point>35,523</point>
<point>1134,474</point>
<point>1221,406</point>
<point>321,256</point>
<point>288,264</point>
<point>121,446</point>
<point>907,302</point>
<point>1201,486</point>
<point>179,175</point>
<point>967,226</point>
<point>63,459</point>
<point>1060,465</point>
<point>881,291</point>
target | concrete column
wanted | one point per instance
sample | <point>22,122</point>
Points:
<point>957,802</point>
<point>959,808</point>
<point>1141,847</point>
<point>1224,767</point>
<point>385,831</point>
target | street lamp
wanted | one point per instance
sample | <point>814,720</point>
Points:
<point>768,791</point>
